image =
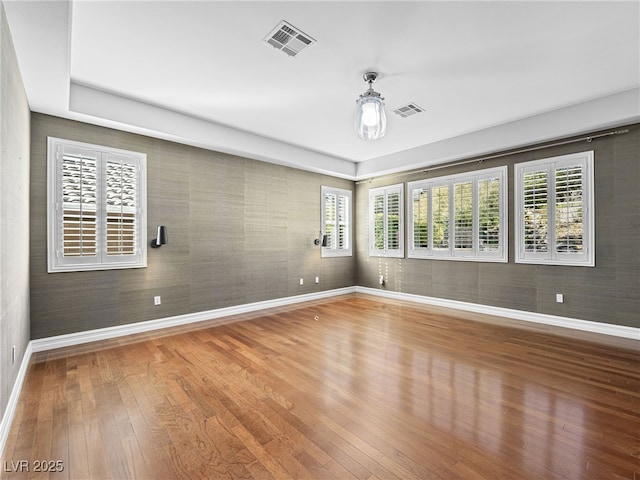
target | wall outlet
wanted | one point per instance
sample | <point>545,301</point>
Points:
<point>381,280</point>
<point>317,279</point>
<point>157,300</point>
<point>302,281</point>
<point>559,298</point>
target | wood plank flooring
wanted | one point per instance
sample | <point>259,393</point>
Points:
<point>353,387</point>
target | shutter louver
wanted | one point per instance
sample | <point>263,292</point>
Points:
<point>343,222</point>
<point>489,215</point>
<point>421,218</point>
<point>393,221</point>
<point>121,195</point>
<point>79,200</point>
<point>440,212</point>
<point>535,193</point>
<point>378,222</point>
<point>568,210</point>
<point>463,216</point>
<point>330,218</point>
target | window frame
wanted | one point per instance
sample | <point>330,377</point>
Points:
<point>451,251</point>
<point>105,156</point>
<point>386,192</point>
<point>333,250</point>
<point>550,165</point>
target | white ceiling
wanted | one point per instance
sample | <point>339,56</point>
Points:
<point>489,74</point>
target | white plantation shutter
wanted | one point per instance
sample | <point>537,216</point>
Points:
<point>463,216</point>
<point>343,233</point>
<point>122,206</point>
<point>330,200</point>
<point>336,221</point>
<point>490,225</point>
<point>420,214</point>
<point>554,208</point>
<point>569,234</point>
<point>536,209</point>
<point>393,220</point>
<point>379,214</point>
<point>386,222</point>
<point>460,217</point>
<point>440,224</point>
<point>96,207</point>
<point>78,170</point>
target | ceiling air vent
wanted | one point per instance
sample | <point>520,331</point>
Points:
<point>408,110</point>
<point>291,40</point>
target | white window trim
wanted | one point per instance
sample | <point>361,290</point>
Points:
<point>55,261</point>
<point>585,259</point>
<point>328,252</point>
<point>474,254</point>
<point>387,252</point>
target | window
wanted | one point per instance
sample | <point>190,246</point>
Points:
<point>554,210</point>
<point>336,222</point>
<point>459,217</point>
<point>386,225</point>
<point>96,207</point>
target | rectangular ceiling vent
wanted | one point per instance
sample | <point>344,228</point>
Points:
<point>291,40</point>
<point>408,110</point>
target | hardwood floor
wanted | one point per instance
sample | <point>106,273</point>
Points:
<point>353,387</point>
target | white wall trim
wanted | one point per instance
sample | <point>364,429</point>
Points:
<point>50,343</point>
<point>94,106</point>
<point>70,339</point>
<point>565,322</point>
<point>610,111</point>
<point>12,405</point>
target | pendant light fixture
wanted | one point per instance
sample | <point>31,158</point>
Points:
<point>370,119</point>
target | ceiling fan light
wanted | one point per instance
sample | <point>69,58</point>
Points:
<point>370,119</point>
<point>370,114</point>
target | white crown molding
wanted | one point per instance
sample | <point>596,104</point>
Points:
<point>98,107</point>
<point>607,112</point>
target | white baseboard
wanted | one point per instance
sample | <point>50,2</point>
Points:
<point>565,322</point>
<point>49,343</point>
<point>10,411</point>
<point>67,340</point>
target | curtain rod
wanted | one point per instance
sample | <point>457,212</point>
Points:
<point>588,139</point>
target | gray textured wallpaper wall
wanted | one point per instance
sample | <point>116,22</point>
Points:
<point>14,215</point>
<point>240,231</point>
<point>608,292</point>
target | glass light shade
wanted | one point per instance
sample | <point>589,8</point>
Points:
<point>370,119</point>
